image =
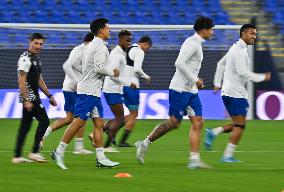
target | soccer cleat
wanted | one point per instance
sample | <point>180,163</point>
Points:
<point>58,159</point>
<point>198,164</point>
<point>82,152</point>
<point>106,163</point>
<point>18,160</point>
<point>141,149</point>
<point>38,157</point>
<point>110,150</point>
<point>209,139</point>
<point>124,145</point>
<point>230,160</point>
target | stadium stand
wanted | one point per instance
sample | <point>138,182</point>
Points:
<point>119,11</point>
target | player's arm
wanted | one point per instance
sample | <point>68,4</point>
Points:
<point>242,69</point>
<point>44,89</point>
<point>185,54</point>
<point>24,66</point>
<point>219,73</point>
<point>68,65</point>
<point>100,63</point>
<point>138,61</point>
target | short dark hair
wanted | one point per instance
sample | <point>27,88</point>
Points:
<point>245,27</point>
<point>145,39</point>
<point>124,32</point>
<point>36,36</point>
<point>203,22</point>
<point>98,24</point>
<point>89,37</point>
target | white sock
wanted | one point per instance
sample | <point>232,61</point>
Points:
<point>79,143</point>
<point>194,156</point>
<point>229,151</point>
<point>61,148</point>
<point>100,153</point>
<point>146,142</point>
<point>218,130</point>
<point>47,132</point>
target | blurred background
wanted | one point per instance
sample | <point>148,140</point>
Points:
<point>267,55</point>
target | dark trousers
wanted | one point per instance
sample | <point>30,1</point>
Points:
<point>38,111</point>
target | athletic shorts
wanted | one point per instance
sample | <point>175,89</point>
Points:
<point>184,103</point>
<point>70,101</point>
<point>88,106</point>
<point>236,106</point>
<point>113,98</point>
<point>131,98</point>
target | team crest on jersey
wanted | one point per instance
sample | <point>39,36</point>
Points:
<point>181,113</point>
<point>88,114</point>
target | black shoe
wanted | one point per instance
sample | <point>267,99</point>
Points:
<point>124,145</point>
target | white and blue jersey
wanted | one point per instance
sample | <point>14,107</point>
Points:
<point>232,74</point>
<point>183,94</point>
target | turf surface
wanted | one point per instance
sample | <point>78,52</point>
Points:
<point>261,149</point>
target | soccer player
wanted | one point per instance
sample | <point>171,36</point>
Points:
<point>183,94</point>
<point>73,70</point>
<point>95,67</point>
<point>112,88</point>
<point>30,80</point>
<point>233,69</point>
<point>132,72</point>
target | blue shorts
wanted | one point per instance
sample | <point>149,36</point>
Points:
<point>70,101</point>
<point>131,98</point>
<point>236,106</point>
<point>113,98</point>
<point>88,106</point>
<point>184,103</point>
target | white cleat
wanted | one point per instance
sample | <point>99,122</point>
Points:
<point>198,164</point>
<point>38,157</point>
<point>110,150</point>
<point>58,159</point>
<point>18,160</point>
<point>106,163</point>
<point>82,152</point>
<point>141,149</point>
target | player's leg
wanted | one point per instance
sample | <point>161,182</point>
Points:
<point>115,124</point>
<point>114,100</point>
<point>97,118</point>
<point>83,108</point>
<point>43,122</point>
<point>24,128</point>
<point>79,143</point>
<point>177,106</point>
<point>237,108</point>
<point>130,121</point>
<point>131,99</point>
<point>69,107</point>
<point>211,134</point>
<point>194,111</point>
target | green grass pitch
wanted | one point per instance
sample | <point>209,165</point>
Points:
<point>261,149</point>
